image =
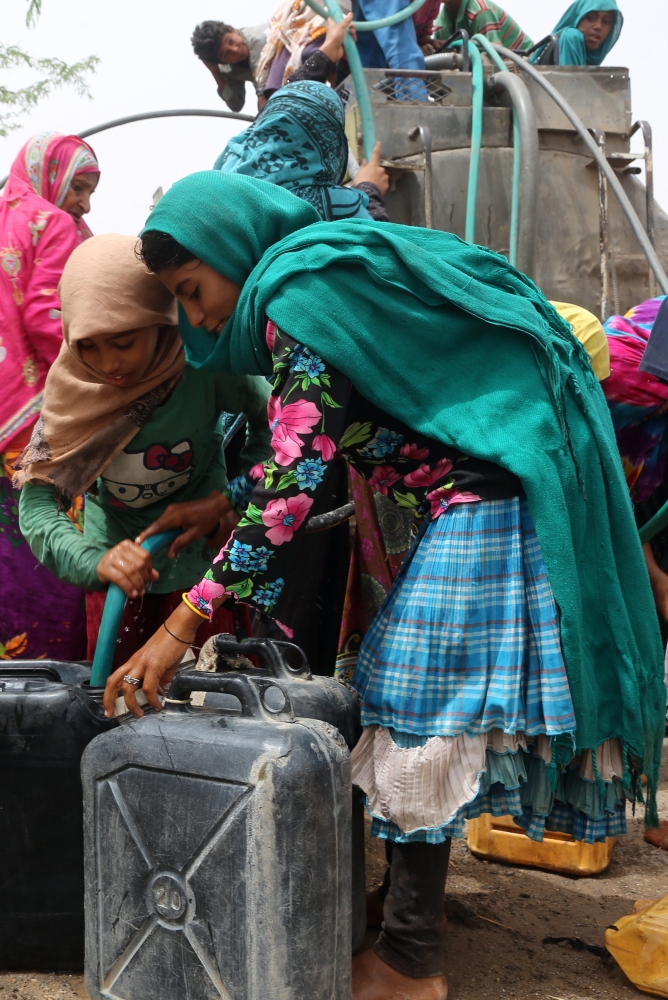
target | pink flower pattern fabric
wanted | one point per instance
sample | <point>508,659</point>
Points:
<point>287,423</point>
<point>317,418</point>
<point>285,516</point>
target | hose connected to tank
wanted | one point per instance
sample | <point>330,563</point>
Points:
<point>382,22</point>
<point>356,71</point>
<point>517,153</point>
<point>477,97</point>
<point>600,160</point>
<point>114,606</point>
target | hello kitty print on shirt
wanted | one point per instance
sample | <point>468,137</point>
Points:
<point>137,479</point>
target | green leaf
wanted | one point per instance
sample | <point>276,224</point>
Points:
<point>328,401</point>
<point>243,589</point>
<point>269,470</point>
<point>209,575</point>
<point>408,500</point>
<point>253,514</point>
<point>355,434</point>
<point>34,10</point>
<point>325,379</point>
<point>289,479</point>
<point>2,649</point>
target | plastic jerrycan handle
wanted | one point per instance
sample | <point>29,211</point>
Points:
<point>43,673</point>
<point>268,651</point>
<point>113,613</point>
<point>253,695</point>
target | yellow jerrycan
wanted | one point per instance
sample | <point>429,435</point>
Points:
<point>498,838</point>
<point>639,945</point>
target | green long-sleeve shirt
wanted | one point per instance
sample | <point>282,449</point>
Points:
<point>484,18</point>
<point>176,456</point>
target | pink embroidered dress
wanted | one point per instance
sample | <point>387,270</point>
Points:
<point>39,615</point>
<point>36,238</point>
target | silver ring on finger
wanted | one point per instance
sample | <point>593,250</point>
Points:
<point>134,681</point>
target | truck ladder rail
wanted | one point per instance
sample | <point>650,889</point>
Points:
<point>601,161</point>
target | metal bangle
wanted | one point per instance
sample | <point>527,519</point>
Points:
<point>186,642</point>
<point>134,681</point>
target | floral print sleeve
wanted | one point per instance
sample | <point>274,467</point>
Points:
<point>315,413</point>
<point>306,414</point>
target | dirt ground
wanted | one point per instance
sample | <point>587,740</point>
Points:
<point>484,960</point>
<point>488,961</point>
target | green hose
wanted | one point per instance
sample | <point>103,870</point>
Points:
<point>112,614</point>
<point>476,142</point>
<point>383,22</point>
<point>357,73</point>
<point>517,154</point>
<point>654,525</point>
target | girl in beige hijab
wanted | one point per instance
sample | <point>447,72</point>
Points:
<point>126,422</point>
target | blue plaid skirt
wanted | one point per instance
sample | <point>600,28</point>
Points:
<point>467,641</point>
<point>468,637</point>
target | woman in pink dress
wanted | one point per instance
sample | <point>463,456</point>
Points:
<point>41,222</point>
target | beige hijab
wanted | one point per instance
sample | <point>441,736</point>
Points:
<point>85,421</point>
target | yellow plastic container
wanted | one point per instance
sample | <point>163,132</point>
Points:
<point>498,838</point>
<point>640,945</point>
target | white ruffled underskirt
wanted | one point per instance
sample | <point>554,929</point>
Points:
<point>422,788</point>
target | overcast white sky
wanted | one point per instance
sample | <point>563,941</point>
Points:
<point>147,64</point>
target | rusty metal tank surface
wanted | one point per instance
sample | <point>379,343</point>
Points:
<point>218,851</point>
<point>565,258</point>
<point>46,720</point>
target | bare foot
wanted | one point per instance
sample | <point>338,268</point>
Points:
<point>373,979</point>
<point>659,838</point>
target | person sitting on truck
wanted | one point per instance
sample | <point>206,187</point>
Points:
<point>232,56</point>
<point>586,33</point>
<point>481,17</point>
<point>295,32</point>
<point>126,420</point>
<point>298,141</point>
<point>446,379</point>
<point>393,47</point>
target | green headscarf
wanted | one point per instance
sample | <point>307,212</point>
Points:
<point>572,49</point>
<point>451,339</point>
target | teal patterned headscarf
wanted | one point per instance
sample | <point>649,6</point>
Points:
<point>299,143</point>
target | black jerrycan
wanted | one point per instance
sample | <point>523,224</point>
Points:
<point>46,720</point>
<point>312,697</point>
<point>218,850</point>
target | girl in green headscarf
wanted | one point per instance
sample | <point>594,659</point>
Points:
<point>587,32</point>
<point>516,664</point>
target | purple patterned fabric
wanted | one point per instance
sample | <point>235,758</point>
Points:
<point>638,401</point>
<point>40,617</point>
<point>278,66</point>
